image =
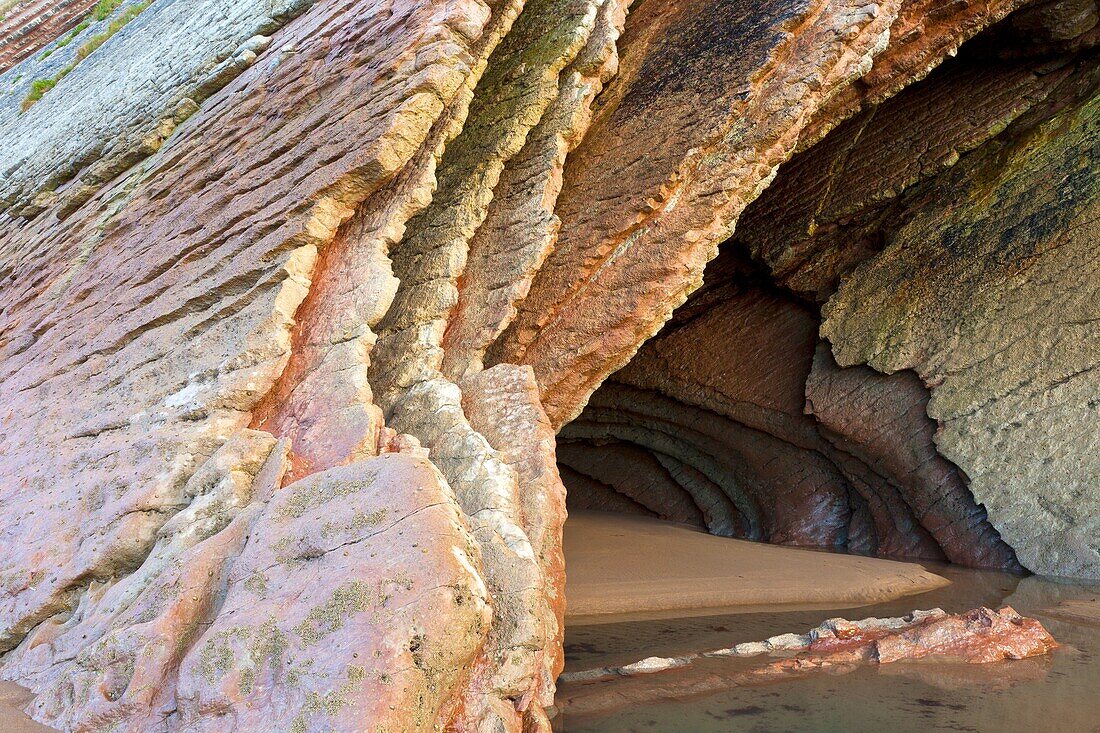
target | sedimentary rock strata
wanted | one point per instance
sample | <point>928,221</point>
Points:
<point>978,636</point>
<point>90,127</point>
<point>762,429</point>
<point>28,25</point>
<point>726,112</point>
<point>311,310</point>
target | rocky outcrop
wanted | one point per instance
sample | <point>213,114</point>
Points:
<point>726,112</point>
<point>303,304</point>
<point>1013,380</point>
<point>978,636</point>
<point>214,623</point>
<point>90,127</point>
<point>770,440</point>
<point>838,646</point>
<point>742,348</point>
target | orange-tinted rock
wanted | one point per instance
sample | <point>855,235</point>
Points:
<point>520,226</point>
<point>924,33</point>
<point>253,471</point>
<point>503,405</point>
<point>978,636</point>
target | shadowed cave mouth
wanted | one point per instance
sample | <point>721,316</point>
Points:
<point>735,418</point>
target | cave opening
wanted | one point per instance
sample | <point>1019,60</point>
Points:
<point>737,419</point>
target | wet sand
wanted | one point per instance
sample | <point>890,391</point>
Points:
<point>621,567</point>
<point>1080,610</point>
<point>12,718</point>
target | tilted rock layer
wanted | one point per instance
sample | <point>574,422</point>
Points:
<point>307,307</point>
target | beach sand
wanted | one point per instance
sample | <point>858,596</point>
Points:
<point>621,567</point>
<point>12,718</point>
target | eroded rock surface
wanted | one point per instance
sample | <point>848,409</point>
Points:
<point>296,295</point>
<point>726,112</point>
<point>838,646</point>
<point>770,440</point>
<point>172,56</point>
<point>997,313</point>
<point>28,25</point>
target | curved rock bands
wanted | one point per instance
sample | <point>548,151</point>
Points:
<point>734,418</point>
<point>211,246</point>
<point>852,204</point>
<point>727,108</point>
<point>253,264</point>
<point>1000,320</point>
<point>214,243</point>
<point>514,678</point>
<point>520,226</point>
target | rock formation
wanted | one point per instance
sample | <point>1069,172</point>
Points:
<point>304,302</point>
<point>838,646</point>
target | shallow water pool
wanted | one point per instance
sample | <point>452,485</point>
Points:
<point>1059,693</point>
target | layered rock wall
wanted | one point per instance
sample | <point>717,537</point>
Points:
<point>303,304</point>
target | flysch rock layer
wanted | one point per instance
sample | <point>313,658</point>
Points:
<point>924,33</point>
<point>214,632</point>
<point>254,262</point>
<point>838,646</point>
<point>519,84</point>
<point>89,128</point>
<point>29,25</point>
<point>987,288</point>
<point>808,453</point>
<point>503,405</point>
<point>95,385</point>
<point>323,400</point>
<point>520,226</point>
<point>695,123</point>
<point>822,216</point>
<point>212,245</point>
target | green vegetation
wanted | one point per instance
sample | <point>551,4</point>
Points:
<point>104,8</point>
<point>68,38</point>
<point>101,11</point>
<point>38,88</point>
<point>6,5</point>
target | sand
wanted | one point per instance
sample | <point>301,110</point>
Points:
<point>12,718</point>
<point>621,567</point>
<point>1080,610</point>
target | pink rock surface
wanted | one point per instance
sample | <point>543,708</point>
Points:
<point>254,473</point>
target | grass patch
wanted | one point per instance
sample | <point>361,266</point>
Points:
<point>6,5</point>
<point>41,86</point>
<point>104,8</point>
<point>38,88</point>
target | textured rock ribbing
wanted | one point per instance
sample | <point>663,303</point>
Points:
<point>996,314</point>
<point>301,305</point>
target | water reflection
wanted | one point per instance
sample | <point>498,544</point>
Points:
<point>1057,692</point>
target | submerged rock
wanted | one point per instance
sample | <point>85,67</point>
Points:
<point>837,646</point>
